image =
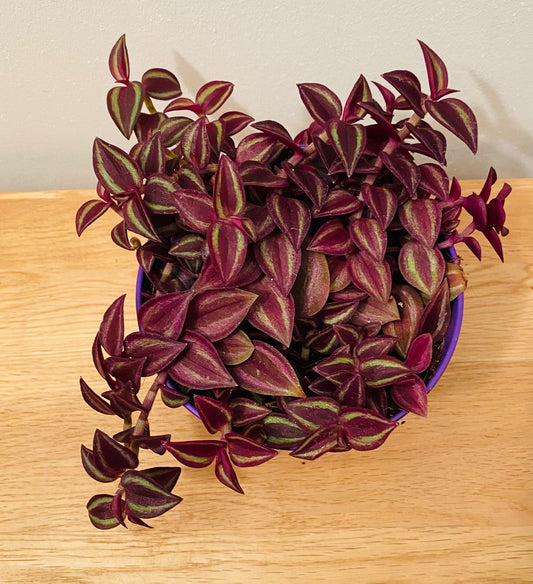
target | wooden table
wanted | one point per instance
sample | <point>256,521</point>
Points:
<point>447,499</point>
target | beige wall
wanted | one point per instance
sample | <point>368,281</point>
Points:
<point>54,77</point>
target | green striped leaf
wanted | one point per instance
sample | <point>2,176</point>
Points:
<point>311,413</point>
<point>331,238</point>
<point>215,414</point>
<point>199,366</point>
<point>267,372</point>
<point>137,218</point>
<point>292,216</point>
<point>337,312</point>
<point>382,371</point>
<point>93,470</point>
<point>195,453</point>
<point>410,394</point>
<point>368,235</point>
<point>408,85</point>
<point>116,171</point>
<point>151,156</point>
<point>245,451</point>
<point>403,167</point>
<point>217,313</point>
<point>235,348</point>
<point>213,95</point>
<point>278,260</point>
<point>348,141</point>
<point>313,184</point>
<point>101,513</point>
<point>165,476</point>
<point>382,203</point>
<point>318,443</point>
<point>227,248</point>
<point>340,361</point>
<point>234,122</point>
<point>247,411</point>
<point>434,180</point>
<point>437,313</point>
<point>256,148</point>
<point>124,105</point>
<point>228,190</point>
<point>160,194</point>
<point>195,146</point>
<point>89,212</point>
<point>172,130</point>
<point>145,497</point>
<point>282,432</point>
<point>189,247</point>
<point>111,331</point>
<point>159,351</point>
<point>457,117</point>
<point>311,288</point>
<point>423,267</point>
<point>320,102</point>
<point>436,71</point>
<point>359,93</point>
<point>364,429</point>
<point>161,84</point>
<point>369,275</point>
<point>195,209</point>
<point>94,400</point>
<point>165,314</point>
<point>225,472</point>
<point>119,64</point>
<point>422,219</point>
<point>272,312</point>
<point>112,456</point>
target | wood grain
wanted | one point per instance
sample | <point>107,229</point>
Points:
<point>447,499</point>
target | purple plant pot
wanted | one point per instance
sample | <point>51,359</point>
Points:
<point>448,347</point>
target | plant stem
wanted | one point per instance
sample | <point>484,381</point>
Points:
<point>148,402</point>
<point>149,105</point>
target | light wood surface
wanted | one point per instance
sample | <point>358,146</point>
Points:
<point>447,499</point>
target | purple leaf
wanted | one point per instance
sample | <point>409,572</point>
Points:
<point>119,64</point>
<point>404,169</point>
<point>419,354</point>
<point>437,313</point>
<point>423,267</point>
<point>382,203</point>
<point>195,209</point>
<point>410,307</point>
<point>161,84</point>
<point>165,314</point>
<point>110,456</point>
<point>422,219</point>
<point>360,92</point>
<point>337,312</point>
<point>339,278</point>
<point>88,213</point>
<point>272,312</point>
<point>318,443</point>
<point>228,191</point>
<point>277,131</point>
<point>94,400</point>
<point>137,218</point>
<point>195,146</point>
<point>215,415</point>
<point>195,453</point>
<point>382,371</point>
<point>245,452</point>
<point>352,392</point>
<point>235,348</point>
<point>160,194</point>
<point>217,313</point>
<point>147,125</point>
<point>267,372</point>
<point>408,85</point>
<point>159,351</point>
<point>213,95</point>
<point>227,249</point>
<point>369,236</point>
<point>323,340</point>
<point>434,180</point>
<point>100,512</point>
<point>234,122</point>
<point>311,413</point>
<point>371,347</point>
<point>172,398</point>
<point>119,235</point>
<point>310,181</point>
<point>145,497</point>
<point>151,157</point>
<point>278,260</point>
<point>320,102</point>
<point>410,394</point>
<point>255,147</point>
<point>116,171</point>
<point>340,362</point>
<point>183,103</point>
<point>457,117</point>
<point>111,332</point>
<point>372,276</point>
<point>364,429</point>
<point>311,288</point>
<point>291,216</point>
<point>246,411</point>
<point>189,247</point>
<point>282,432</point>
<point>433,141</point>
<point>199,366</point>
<point>373,310</point>
<point>332,239</point>
<point>437,73</point>
<point>338,202</point>
<point>348,141</point>
<point>225,472</point>
<point>124,105</point>
<point>165,476</point>
<point>255,174</point>
<point>172,130</point>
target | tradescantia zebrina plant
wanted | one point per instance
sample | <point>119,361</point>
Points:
<point>297,289</point>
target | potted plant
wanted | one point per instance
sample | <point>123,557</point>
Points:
<point>294,291</point>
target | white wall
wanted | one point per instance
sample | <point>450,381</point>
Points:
<point>54,76</point>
